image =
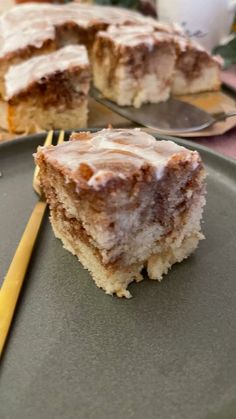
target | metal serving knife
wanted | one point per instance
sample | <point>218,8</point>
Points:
<point>172,116</point>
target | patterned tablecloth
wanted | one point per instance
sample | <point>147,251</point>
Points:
<point>224,144</point>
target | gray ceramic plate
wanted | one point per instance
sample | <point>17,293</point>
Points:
<point>74,352</point>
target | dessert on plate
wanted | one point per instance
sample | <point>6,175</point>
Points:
<point>123,202</point>
<point>51,92</point>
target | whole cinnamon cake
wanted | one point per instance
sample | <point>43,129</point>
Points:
<point>121,202</point>
<point>135,59</point>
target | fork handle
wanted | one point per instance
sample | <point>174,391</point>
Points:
<point>13,281</point>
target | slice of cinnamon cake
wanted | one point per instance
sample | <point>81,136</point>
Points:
<point>49,91</point>
<point>134,64</point>
<point>195,69</point>
<point>122,201</point>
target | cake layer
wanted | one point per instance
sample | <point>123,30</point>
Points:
<point>73,59</point>
<point>20,56</point>
<point>130,202</point>
<point>116,280</point>
<point>134,64</point>
<point>51,92</point>
<point>195,69</point>
<point>30,115</point>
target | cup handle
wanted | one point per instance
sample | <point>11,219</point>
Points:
<point>232,6</point>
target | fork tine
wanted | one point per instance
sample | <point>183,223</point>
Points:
<point>49,138</point>
<point>36,184</point>
<point>61,137</point>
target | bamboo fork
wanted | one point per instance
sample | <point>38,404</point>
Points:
<point>13,281</point>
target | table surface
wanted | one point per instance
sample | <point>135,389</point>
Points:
<point>224,144</point>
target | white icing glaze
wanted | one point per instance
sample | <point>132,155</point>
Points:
<point>113,153</point>
<point>32,24</point>
<point>171,28</point>
<point>36,36</point>
<point>134,35</point>
<point>27,14</point>
<point>20,76</point>
<point>185,44</point>
<point>149,33</point>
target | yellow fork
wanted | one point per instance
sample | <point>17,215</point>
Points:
<point>14,278</point>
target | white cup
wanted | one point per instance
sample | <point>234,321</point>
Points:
<point>207,21</point>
